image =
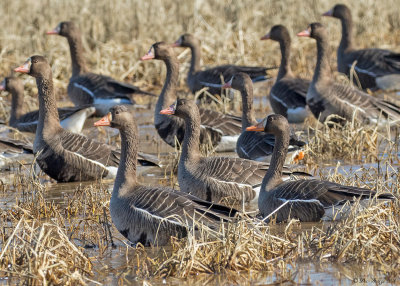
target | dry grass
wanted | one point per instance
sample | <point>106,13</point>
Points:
<point>45,241</point>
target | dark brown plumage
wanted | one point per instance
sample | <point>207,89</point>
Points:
<point>89,88</point>
<point>375,68</point>
<point>150,215</point>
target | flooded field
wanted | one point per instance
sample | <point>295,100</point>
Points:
<point>29,198</point>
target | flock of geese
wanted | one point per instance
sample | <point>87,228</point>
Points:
<point>151,214</point>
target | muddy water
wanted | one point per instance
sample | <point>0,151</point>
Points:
<point>110,266</point>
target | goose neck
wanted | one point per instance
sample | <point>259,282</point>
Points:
<point>322,69</point>
<point>17,105</point>
<point>248,117</point>
<point>273,177</point>
<point>284,68</point>
<point>126,174</point>
<point>346,42</point>
<point>195,60</point>
<point>191,140</point>
<point>167,95</point>
<point>77,55</point>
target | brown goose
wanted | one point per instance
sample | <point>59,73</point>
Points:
<point>375,68</point>
<point>306,200</point>
<point>213,178</point>
<point>326,97</point>
<point>63,155</point>
<point>71,118</point>
<point>288,94</point>
<point>151,214</point>
<point>198,79</point>
<point>89,88</point>
<point>11,151</point>
<point>257,145</point>
<point>222,130</point>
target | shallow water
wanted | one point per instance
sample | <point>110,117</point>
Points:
<point>111,266</point>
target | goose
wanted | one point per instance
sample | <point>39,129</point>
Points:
<point>305,200</point>
<point>13,150</point>
<point>61,154</point>
<point>214,179</point>
<point>288,95</point>
<point>71,118</point>
<point>211,78</point>
<point>375,68</point>
<point>89,88</point>
<point>222,130</point>
<point>150,215</point>
<point>326,97</point>
<point>257,145</point>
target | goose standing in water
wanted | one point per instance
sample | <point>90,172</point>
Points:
<point>213,178</point>
<point>288,94</point>
<point>61,154</point>
<point>197,78</point>
<point>375,68</point>
<point>89,88</point>
<point>222,130</point>
<point>71,118</point>
<point>326,97</point>
<point>257,145</point>
<point>306,200</point>
<point>150,215</point>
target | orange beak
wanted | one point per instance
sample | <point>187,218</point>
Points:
<point>169,110</point>
<point>52,32</point>
<point>25,68</point>
<point>266,37</point>
<point>105,121</point>
<point>258,127</point>
<point>305,33</point>
<point>299,156</point>
<point>328,13</point>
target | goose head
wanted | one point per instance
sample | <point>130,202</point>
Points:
<point>159,51</point>
<point>119,117</point>
<point>339,11</point>
<point>181,108</point>
<point>12,84</point>
<point>240,81</point>
<point>36,66</point>
<point>315,30</point>
<point>277,33</point>
<point>275,124</point>
<point>64,29</point>
<point>186,40</point>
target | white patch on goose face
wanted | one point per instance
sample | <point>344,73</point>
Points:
<point>278,99</point>
<point>85,89</point>
<point>297,115</point>
<point>227,144</point>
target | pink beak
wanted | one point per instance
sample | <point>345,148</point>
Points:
<point>52,32</point>
<point>305,33</point>
<point>23,69</point>
<point>266,37</point>
<point>328,13</point>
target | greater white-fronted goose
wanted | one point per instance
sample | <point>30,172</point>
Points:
<point>306,200</point>
<point>375,68</point>
<point>61,154</point>
<point>150,215</point>
<point>213,178</point>
<point>197,78</point>
<point>71,118</point>
<point>222,130</point>
<point>257,145</point>
<point>326,97</point>
<point>12,150</point>
<point>85,87</point>
<point>288,94</point>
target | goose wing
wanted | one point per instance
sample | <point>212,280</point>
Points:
<point>171,127</point>
<point>213,75</point>
<point>375,62</point>
<point>291,92</point>
<point>226,123</point>
<point>88,149</point>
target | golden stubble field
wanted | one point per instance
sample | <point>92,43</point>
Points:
<point>41,241</point>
